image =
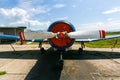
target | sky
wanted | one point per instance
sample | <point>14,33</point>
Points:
<point>83,14</point>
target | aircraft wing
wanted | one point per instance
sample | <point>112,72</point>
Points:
<point>2,36</point>
<point>97,39</point>
<point>112,36</point>
<point>12,37</point>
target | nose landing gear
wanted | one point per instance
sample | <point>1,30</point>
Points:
<point>60,62</point>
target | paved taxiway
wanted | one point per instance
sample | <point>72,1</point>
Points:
<point>26,63</point>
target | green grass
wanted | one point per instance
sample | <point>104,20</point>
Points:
<point>104,43</point>
<point>2,72</point>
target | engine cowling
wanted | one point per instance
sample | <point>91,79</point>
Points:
<point>61,41</point>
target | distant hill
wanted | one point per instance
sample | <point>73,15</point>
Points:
<point>28,30</point>
<point>42,30</point>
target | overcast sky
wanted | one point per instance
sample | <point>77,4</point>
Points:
<point>83,14</point>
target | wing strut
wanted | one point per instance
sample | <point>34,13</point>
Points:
<point>12,47</point>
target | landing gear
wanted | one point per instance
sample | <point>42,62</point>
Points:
<point>60,62</point>
<point>42,50</point>
<point>80,50</point>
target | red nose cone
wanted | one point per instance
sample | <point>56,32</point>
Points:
<point>102,33</point>
<point>61,35</point>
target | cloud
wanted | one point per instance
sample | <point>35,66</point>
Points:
<point>33,24</point>
<point>14,14</point>
<point>114,10</point>
<point>20,17</point>
<point>34,7</point>
<point>59,6</point>
<point>37,25</point>
<point>108,26</point>
<point>24,13</point>
<point>39,10</point>
<point>29,3</point>
<point>1,25</point>
<point>109,19</point>
<point>38,6</point>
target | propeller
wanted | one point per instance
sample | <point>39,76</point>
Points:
<point>88,34</point>
<point>38,35</point>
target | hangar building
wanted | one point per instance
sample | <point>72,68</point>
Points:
<point>11,31</point>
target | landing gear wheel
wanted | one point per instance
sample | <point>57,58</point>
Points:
<point>42,50</point>
<point>80,50</point>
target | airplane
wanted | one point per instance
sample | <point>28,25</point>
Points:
<point>61,35</point>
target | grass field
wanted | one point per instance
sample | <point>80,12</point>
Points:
<point>2,73</point>
<point>111,43</point>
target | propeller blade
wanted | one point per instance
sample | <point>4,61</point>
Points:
<point>38,35</point>
<point>90,34</point>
